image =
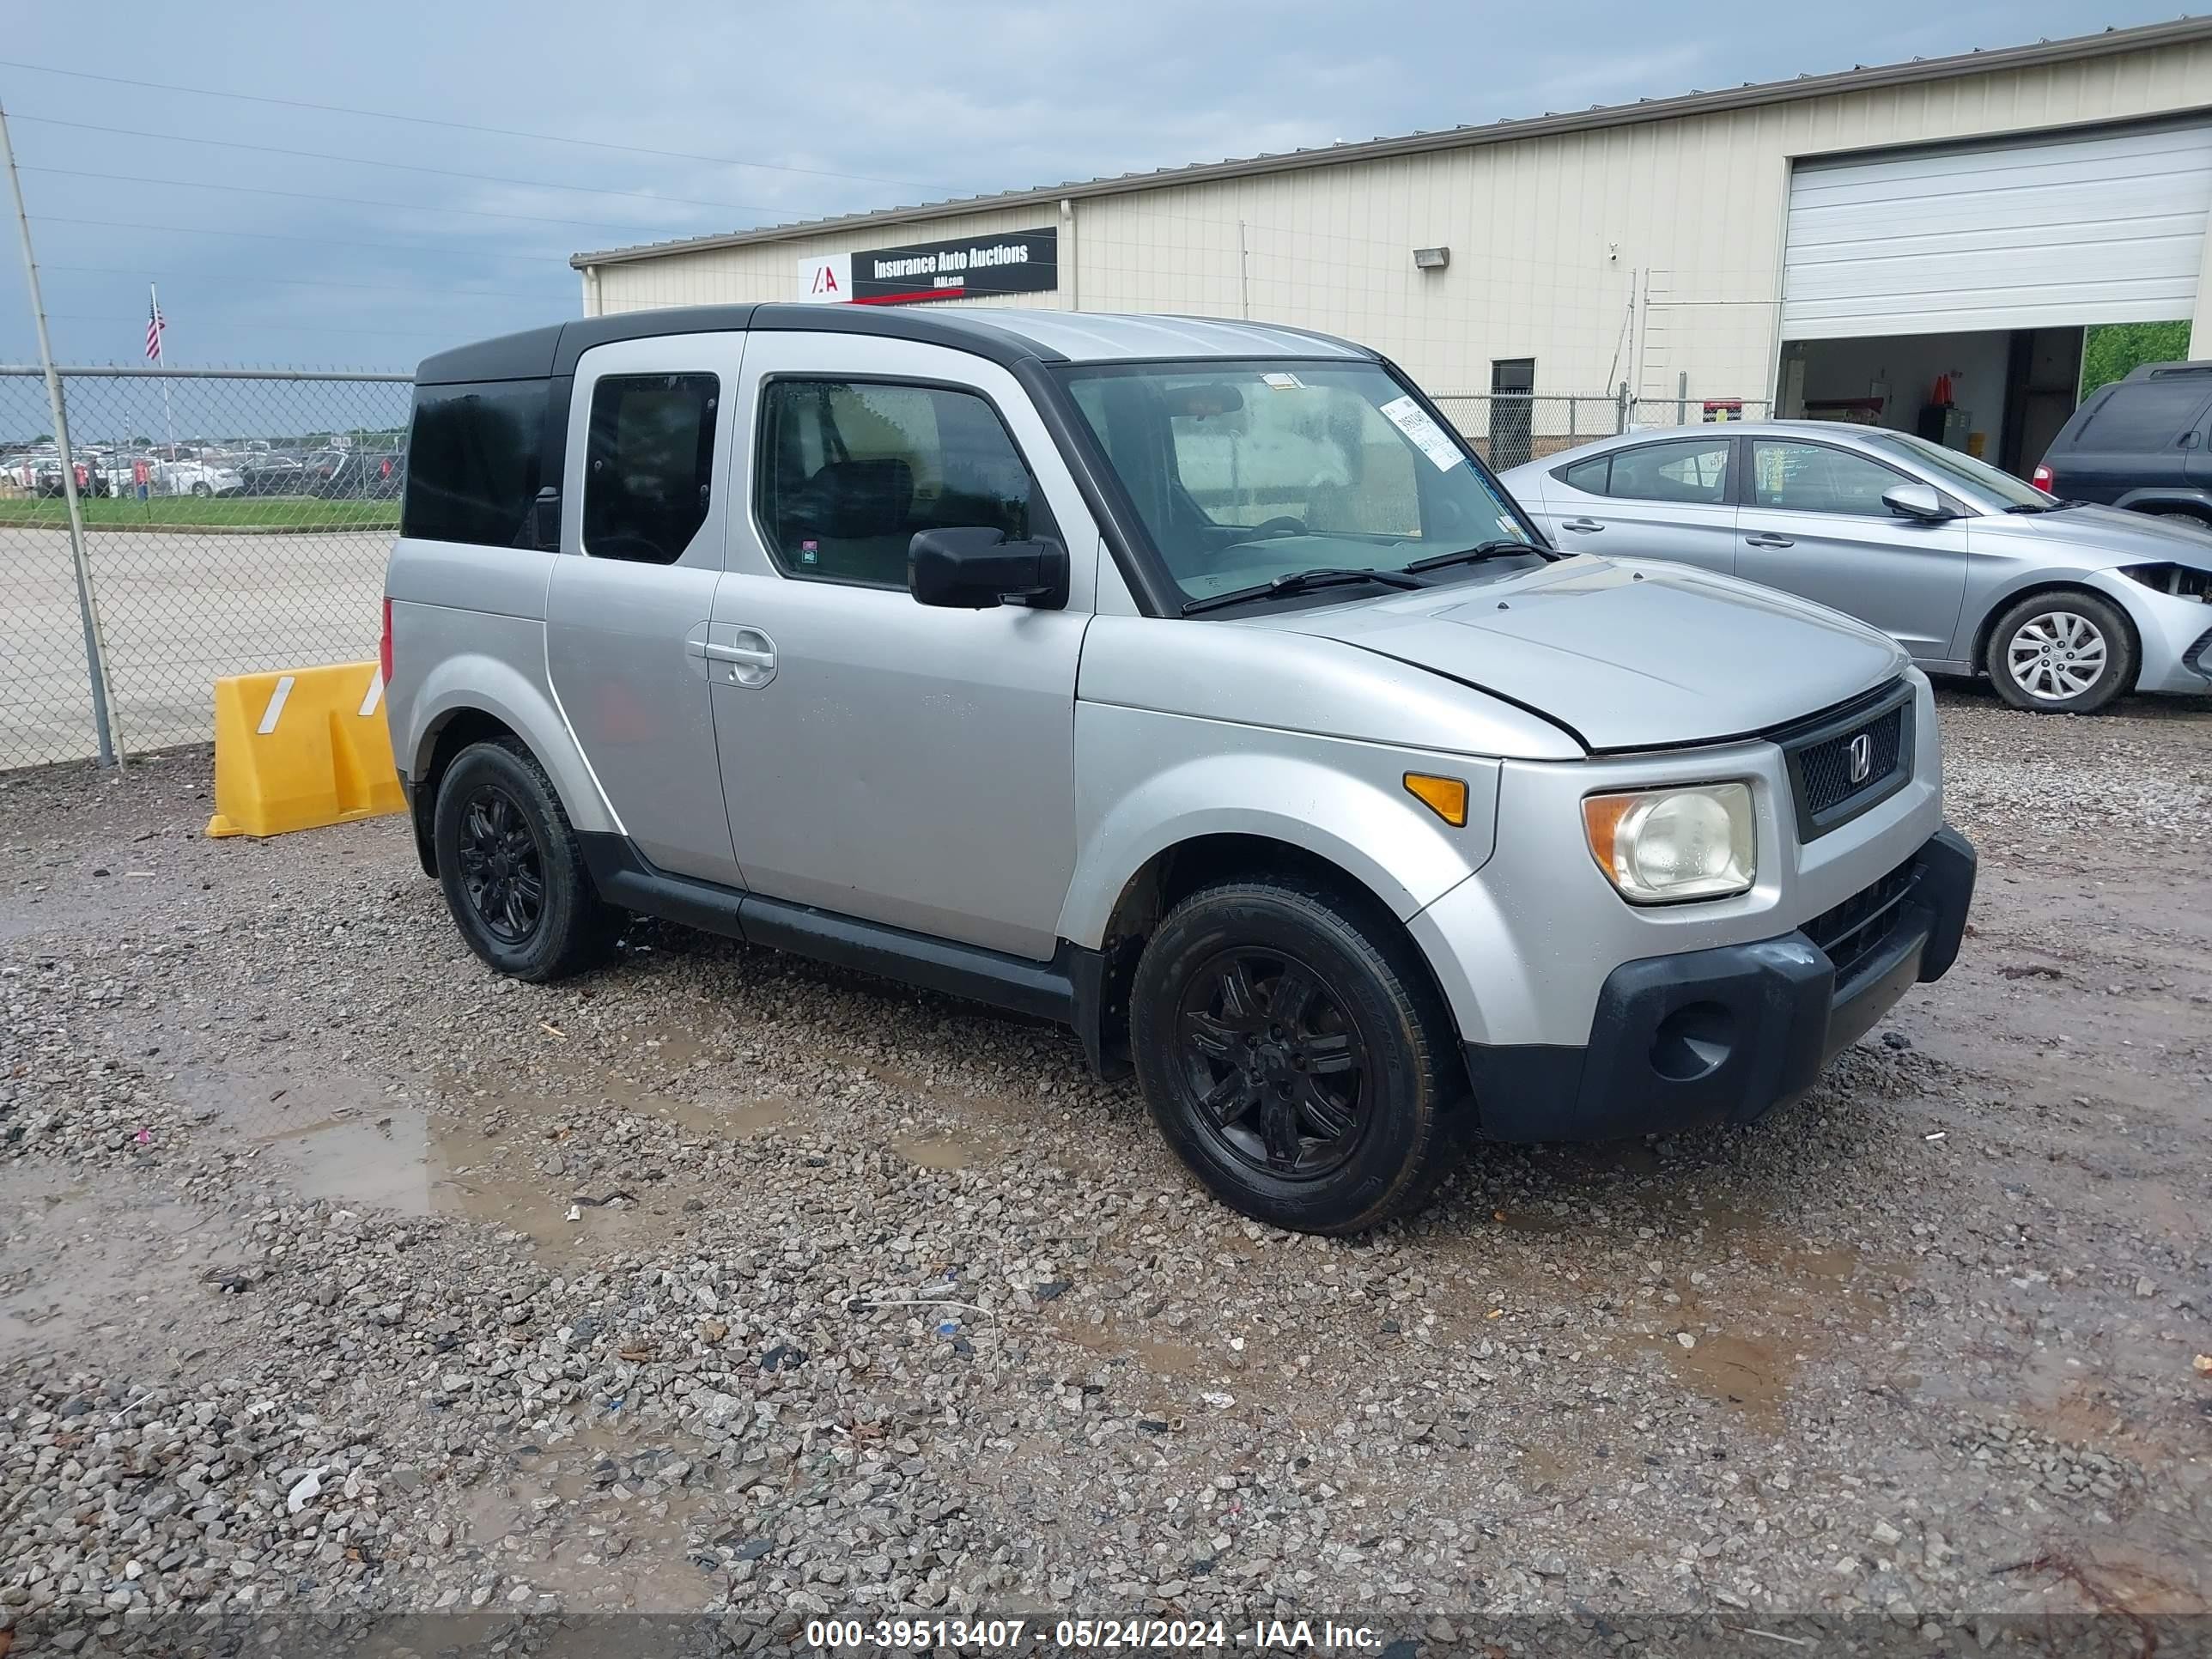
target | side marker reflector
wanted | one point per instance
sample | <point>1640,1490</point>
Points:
<point>1445,797</point>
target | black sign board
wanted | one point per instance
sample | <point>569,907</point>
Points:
<point>1013,262</point>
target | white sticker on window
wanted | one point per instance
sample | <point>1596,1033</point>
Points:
<point>1284,382</point>
<point>1410,418</point>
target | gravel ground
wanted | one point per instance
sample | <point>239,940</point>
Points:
<point>338,1277</point>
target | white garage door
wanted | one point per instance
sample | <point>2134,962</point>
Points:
<point>2103,228</point>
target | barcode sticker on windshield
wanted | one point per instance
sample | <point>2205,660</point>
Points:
<point>1410,418</point>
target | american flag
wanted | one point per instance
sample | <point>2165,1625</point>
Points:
<point>154,324</point>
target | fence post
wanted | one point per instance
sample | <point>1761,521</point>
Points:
<point>1574,402</point>
<point>95,653</point>
<point>1620,409</point>
<point>1682,398</point>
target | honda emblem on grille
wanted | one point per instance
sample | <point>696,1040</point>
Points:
<point>1862,756</point>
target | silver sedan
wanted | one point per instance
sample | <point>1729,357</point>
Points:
<point>2064,606</point>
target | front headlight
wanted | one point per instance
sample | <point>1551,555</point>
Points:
<point>1661,845</point>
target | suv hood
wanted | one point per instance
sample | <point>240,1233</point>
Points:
<point>1625,655</point>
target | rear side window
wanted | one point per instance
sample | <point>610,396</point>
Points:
<point>851,470</point>
<point>473,462</point>
<point>2143,415</point>
<point>1691,470</point>
<point>1587,475</point>
<point>649,466</point>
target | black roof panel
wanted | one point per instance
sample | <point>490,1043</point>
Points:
<point>538,352</point>
<point>1003,336</point>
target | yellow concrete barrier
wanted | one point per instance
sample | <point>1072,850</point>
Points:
<point>299,751</point>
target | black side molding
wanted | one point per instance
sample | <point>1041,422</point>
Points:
<point>1067,989</point>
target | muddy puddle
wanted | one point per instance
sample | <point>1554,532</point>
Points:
<point>940,1149</point>
<point>79,1272</point>
<point>1161,1356</point>
<point>458,1150</point>
<point>1774,1312</point>
<point>599,1513</point>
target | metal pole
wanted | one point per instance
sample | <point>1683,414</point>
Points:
<point>95,649</point>
<point>1682,398</point>
<point>161,363</point>
<point>1243,271</point>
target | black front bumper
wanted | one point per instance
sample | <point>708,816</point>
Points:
<point>1720,1036</point>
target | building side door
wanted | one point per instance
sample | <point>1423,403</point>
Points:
<point>1512,396</point>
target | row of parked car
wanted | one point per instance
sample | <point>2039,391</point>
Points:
<point>209,471</point>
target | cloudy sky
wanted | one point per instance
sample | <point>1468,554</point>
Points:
<point>292,221</point>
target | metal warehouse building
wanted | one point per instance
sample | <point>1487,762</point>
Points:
<point>1834,244</point>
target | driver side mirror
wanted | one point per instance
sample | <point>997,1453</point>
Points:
<point>974,568</point>
<point>1917,500</point>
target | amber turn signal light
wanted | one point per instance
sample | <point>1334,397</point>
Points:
<point>1445,797</point>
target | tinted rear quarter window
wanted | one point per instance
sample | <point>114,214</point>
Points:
<point>473,462</point>
<point>2144,415</point>
<point>649,466</point>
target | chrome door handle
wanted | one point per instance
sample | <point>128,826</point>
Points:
<point>1768,541</point>
<point>1583,525</point>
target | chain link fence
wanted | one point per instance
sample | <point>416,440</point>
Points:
<point>1507,429</point>
<point>234,521</point>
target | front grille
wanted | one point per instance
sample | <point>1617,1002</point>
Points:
<point>1823,752</point>
<point>1857,927</point>
<point>1828,781</point>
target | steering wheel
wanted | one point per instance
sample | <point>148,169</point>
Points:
<point>1284,526</point>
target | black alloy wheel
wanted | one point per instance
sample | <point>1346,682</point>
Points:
<point>1294,1053</point>
<point>513,868</point>
<point>502,866</point>
<point>1278,1067</point>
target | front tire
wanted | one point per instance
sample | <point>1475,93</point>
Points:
<point>512,868</point>
<point>1294,1053</point>
<point>2060,653</point>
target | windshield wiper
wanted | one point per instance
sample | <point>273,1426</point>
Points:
<point>2045,507</point>
<point>1301,582</point>
<point>1497,548</point>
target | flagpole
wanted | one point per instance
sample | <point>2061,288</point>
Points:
<point>88,608</point>
<point>161,363</point>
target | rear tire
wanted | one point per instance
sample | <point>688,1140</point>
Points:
<point>1294,1054</point>
<point>2068,652</point>
<point>512,868</point>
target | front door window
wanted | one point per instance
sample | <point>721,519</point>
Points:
<point>851,470</point>
<point>1793,478</point>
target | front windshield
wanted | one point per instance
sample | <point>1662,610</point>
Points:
<point>2001,487</point>
<point>1246,473</point>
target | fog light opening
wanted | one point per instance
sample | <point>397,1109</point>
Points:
<point>1693,1042</point>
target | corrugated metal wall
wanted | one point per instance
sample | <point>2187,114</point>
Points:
<point>1550,235</point>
